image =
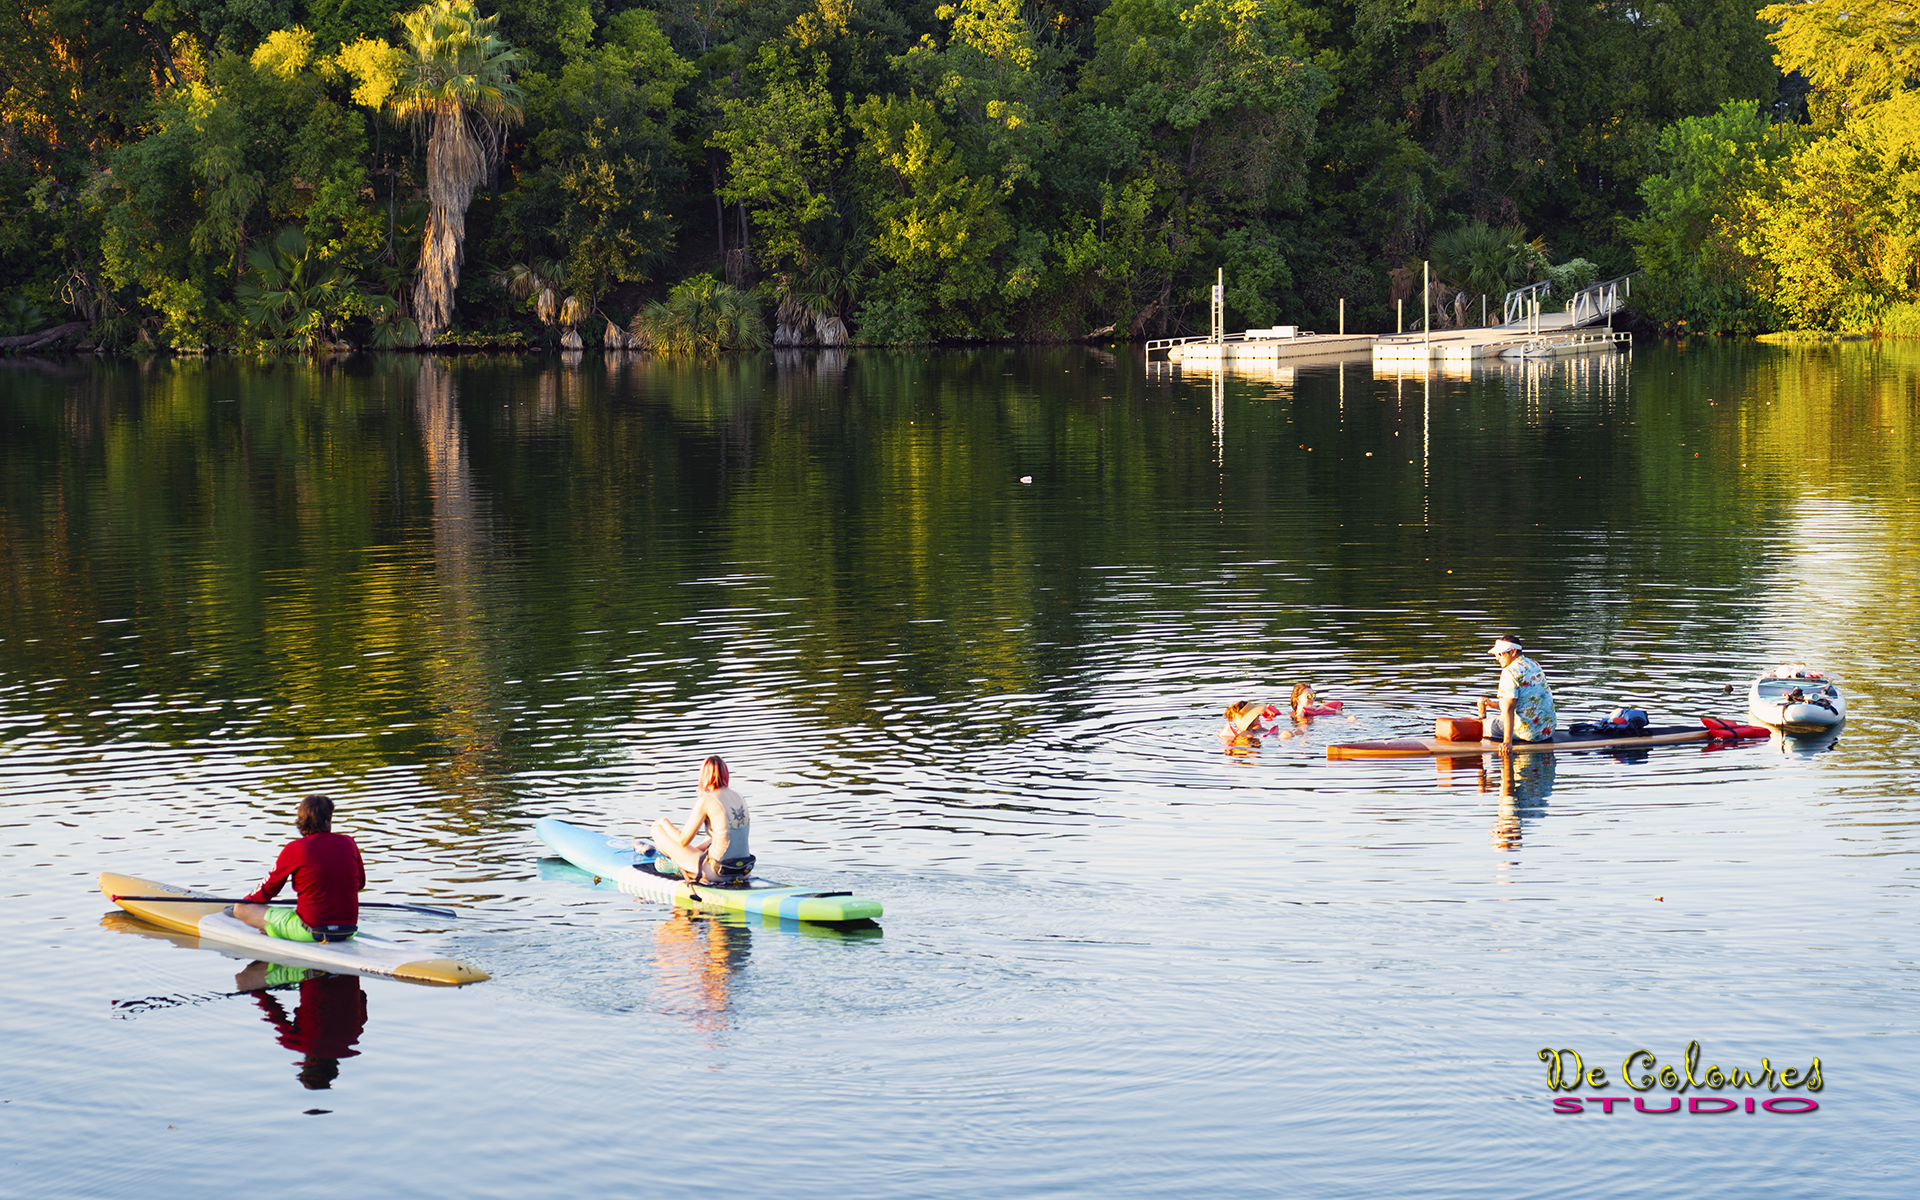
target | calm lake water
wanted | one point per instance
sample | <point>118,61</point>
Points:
<point>1116,960</point>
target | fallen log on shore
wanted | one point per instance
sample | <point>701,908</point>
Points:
<point>24,342</point>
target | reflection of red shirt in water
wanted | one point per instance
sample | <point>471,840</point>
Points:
<point>327,872</point>
<point>330,1018</point>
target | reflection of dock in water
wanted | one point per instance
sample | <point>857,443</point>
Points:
<point>1598,377</point>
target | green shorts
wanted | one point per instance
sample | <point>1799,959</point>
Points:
<point>285,923</point>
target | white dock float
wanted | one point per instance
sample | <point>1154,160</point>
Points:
<point>1585,341</point>
<point>1465,345</point>
<point>1452,345</point>
<point>1261,345</point>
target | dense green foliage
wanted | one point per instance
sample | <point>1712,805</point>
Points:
<point>1754,224</point>
<point>701,316</point>
<point>908,170</point>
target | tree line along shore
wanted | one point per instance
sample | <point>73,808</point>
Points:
<point>698,175</point>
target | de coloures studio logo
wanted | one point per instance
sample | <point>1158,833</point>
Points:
<point>1670,1084</point>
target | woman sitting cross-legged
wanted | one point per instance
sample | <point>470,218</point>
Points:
<point>720,856</point>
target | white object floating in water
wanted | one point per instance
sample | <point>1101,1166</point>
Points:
<point>1026,479</point>
<point>1796,701</point>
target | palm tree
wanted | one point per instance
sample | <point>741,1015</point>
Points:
<point>546,282</point>
<point>701,316</point>
<point>1478,257</point>
<point>294,295</point>
<point>457,82</point>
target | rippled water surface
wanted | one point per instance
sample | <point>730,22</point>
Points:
<point>964,624</point>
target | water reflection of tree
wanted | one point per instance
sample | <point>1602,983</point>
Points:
<point>694,960</point>
<point>256,526</point>
<point>464,675</point>
<point>883,493</point>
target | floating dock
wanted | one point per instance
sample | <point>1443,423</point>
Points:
<point>1262,345</point>
<point>1496,341</point>
<point>1527,331</point>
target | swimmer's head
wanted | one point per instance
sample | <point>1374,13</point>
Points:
<point>1302,692</point>
<point>713,773</point>
<point>1241,714</point>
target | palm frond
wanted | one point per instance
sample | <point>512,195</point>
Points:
<point>293,295</point>
<point>701,316</point>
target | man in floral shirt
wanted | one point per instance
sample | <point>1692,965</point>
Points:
<point>1525,702</point>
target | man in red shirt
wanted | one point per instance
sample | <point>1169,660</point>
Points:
<point>327,873</point>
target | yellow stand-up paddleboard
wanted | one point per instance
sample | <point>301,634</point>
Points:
<point>209,920</point>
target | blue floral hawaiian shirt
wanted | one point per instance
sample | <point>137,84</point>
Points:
<point>1525,683</point>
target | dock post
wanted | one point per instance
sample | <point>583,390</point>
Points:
<point>1343,316</point>
<point>1483,310</point>
<point>1219,305</point>
<point>1400,316</point>
<point>1426,304</point>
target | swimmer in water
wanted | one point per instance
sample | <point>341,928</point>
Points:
<point>1244,719</point>
<point>1303,700</point>
<point>1307,703</point>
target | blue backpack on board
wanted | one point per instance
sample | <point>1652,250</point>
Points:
<point>1621,722</point>
<point>1628,720</point>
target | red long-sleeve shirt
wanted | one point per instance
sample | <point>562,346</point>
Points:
<point>327,873</point>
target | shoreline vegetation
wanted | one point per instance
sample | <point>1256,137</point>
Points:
<point>696,176</point>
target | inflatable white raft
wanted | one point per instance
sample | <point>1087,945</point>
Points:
<point>1796,701</point>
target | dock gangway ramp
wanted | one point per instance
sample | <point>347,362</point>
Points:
<point>1525,308</point>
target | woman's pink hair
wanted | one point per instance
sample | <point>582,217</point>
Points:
<point>713,773</point>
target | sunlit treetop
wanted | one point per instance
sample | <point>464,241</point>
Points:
<point>1861,51</point>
